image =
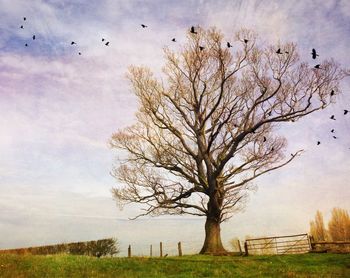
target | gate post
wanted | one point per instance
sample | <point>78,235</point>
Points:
<point>310,240</point>
<point>246,248</point>
<point>239,247</point>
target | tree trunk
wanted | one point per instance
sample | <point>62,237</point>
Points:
<point>212,244</point>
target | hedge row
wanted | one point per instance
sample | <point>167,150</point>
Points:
<point>94,248</point>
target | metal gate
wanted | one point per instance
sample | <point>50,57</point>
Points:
<point>293,244</point>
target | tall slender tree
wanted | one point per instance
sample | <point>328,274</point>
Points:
<point>317,228</point>
<point>339,225</point>
<point>204,132</point>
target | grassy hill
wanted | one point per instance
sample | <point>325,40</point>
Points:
<point>306,265</point>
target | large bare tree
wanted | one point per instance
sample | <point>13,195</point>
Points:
<point>205,131</point>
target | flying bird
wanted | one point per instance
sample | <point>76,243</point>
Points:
<point>79,53</point>
<point>332,130</point>
<point>174,40</point>
<point>314,54</point>
<point>332,93</point>
<point>24,18</point>
<point>346,111</point>
<point>201,48</point>
<point>317,66</point>
<point>192,30</point>
<point>332,117</point>
<point>21,27</point>
<point>264,140</point>
<point>246,41</point>
<point>318,143</point>
<point>33,37</point>
<point>229,45</point>
<point>279,51</point>
<point>73,43</point>
<point>26,44</point>
<point>143,25</point>
<point>107,43</point>
<point>103,39</point>
<point>335,137</point>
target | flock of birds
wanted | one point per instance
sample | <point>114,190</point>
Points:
<point>314,55</point>
<point>106,43</point>
<point>192,31</point>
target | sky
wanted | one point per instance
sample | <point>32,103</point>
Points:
<point>59,109</point>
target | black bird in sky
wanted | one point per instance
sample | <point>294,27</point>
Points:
<point>335,137</point>
<point>21,27</point>
<point>279,51</point>
<point>73,43</point>
<point>79,53</point>
<point>229,45</point>
<point>173,40</point>
<point>332,117</point>
<point>192,30</point>
<point>143,25</point>
<point>332,130</point>
<point>246,41</point>
<point>107,43</point>
<point>264,140</point>
<point>314,54</point>
<point>201,48</point>
<point>26,44</point>
<point>332,93</point>
<point>346,111</point>
<point>317,66</point>
<point>103,39</point>
<point>24,18</point>
<point>318,143</point>
<point>33,37</point>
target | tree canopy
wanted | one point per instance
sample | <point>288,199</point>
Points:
<point>205,131</point>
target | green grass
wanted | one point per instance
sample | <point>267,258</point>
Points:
<point>306,265</point>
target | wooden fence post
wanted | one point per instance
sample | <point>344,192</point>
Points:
<point>246,248</point>
<point>161,249</point>
<point>150,251</point>
<point>239,247</point>
<point>179,248</point>
<point>129,251</point>
<point>310,240</point>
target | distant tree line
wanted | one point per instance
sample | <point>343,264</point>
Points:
<point>96,248</point>
<point>338,226</point>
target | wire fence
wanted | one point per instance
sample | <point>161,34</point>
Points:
<point>169,248</point>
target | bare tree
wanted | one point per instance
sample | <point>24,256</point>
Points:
<point>339,225</point>
<point>317,228</point>
<point>205,133</point>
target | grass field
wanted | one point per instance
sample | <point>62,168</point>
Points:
<point>307,265</point>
